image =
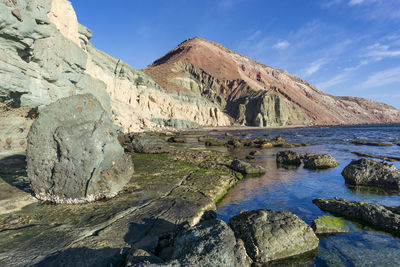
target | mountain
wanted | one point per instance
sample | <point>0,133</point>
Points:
<point>46,54</point>
<point>254,94</point>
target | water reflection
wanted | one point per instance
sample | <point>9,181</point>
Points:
<point>293,189</point>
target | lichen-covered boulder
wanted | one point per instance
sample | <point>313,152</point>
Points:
<point>273,235</point>
<point>288,158</point>
<point>316,162</point>
<point>371,172</point>
<point>73,153</point>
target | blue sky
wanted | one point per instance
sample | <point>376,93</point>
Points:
<point>344,47</point>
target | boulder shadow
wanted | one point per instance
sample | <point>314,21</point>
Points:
<point>13,172</point>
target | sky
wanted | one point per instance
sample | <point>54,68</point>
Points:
<point>344,47</point>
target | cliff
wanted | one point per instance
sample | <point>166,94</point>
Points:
<point>45,55</point>
<point>255,94</point>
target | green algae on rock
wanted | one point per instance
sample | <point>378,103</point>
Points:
<point>329,225</point>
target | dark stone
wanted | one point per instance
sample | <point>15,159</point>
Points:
<point>315,162</point>
<point>272,235</point>
<point>73,154</point>
<point>145,143</point>
<point>378,216</point>
<point>288,158</point>
<point>177,139</point>
<point>372,173</point>
<point>209,243</point>
<point>246,168</point>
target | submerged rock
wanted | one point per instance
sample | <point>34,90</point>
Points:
<point>73,154</point>
<point>272,235</point>
<point>246,168</point>
<point>255,153</point>
<point>372,173</point>
<point>288,158</point>
<point>366,143</point>
<point>379,216</point>
<point>329,225</point>
<point>314,162</point>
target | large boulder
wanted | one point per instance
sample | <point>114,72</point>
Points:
<point>246,168</point>
<point>73,154</point>
<point>372,173</point>
<point>379,216</point>
<point>209,243</point>
<point>315,162</point>
<point>288,158</point>
<point>273,235</point>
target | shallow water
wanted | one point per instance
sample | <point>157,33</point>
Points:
<point>294,189</point>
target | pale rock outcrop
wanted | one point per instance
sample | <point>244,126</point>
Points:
<point>45,55</point>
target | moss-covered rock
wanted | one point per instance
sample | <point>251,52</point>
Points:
<point>329,225</point>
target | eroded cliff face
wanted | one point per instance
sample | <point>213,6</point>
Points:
<point>255,94</point>
<point>45,55</point>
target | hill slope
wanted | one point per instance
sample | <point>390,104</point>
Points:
<point>255,94</point>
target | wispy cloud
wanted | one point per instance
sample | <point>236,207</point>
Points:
<point>382,78</point>
<point>314,67</point>
<point>356,2</point>
<point>281,45</point>
<point>380,51</point>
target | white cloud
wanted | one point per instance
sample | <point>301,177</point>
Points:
<point>355,2</point>
<point>382,78</point>
<point>334,81</point>
<point>281,45</point>
<point>314,67</point>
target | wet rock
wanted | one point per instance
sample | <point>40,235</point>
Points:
<point>73,154</point>
<point>246,134</point>
<point>255,153</point>
<point>329,225</point>
<point>235,142</point>
<point>250,157</point>
<point>266,145</point>
<point>228,134</point>
<point>372,173</point>
<point>314,162</point>
<point>288,157</point>
<point>386,158</point>
<point>379,216</point>
<point>246,168</point>
<point>177,139</point>
<point>366,143</point>
<point>145,143</point>
<point>211,141</point>
<point>272,235</point>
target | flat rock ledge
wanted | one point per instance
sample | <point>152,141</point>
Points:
<point>369,172</point>
<point>270,235</point>
<point>73,154</point>
<point>379,216</point>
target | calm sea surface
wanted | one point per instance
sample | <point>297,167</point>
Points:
<point>294,189</point>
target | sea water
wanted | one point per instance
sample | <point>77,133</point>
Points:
<point>294,189</point>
